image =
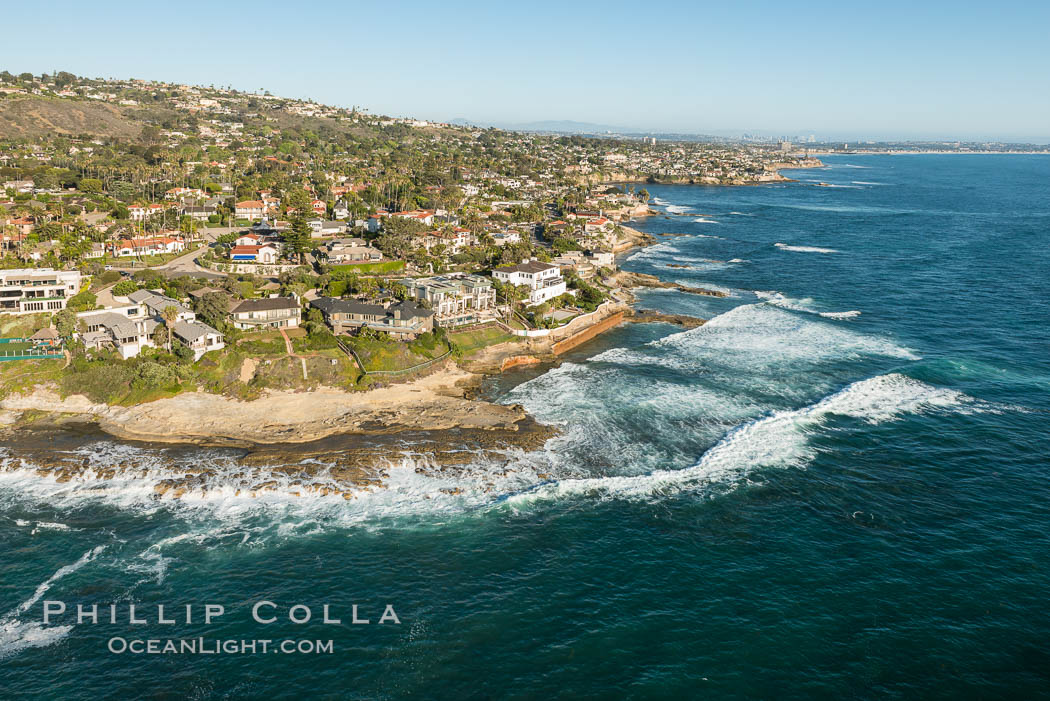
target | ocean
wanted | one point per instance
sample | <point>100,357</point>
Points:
<point>837,487</point>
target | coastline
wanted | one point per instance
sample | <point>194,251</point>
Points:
<point>436,402</point>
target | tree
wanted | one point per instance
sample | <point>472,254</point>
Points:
<point>169,314</point>
<point>158,337</point>
<point>212,307</point>
<point>124,288</point>
<point>82,301</point>
<point>65,323</point>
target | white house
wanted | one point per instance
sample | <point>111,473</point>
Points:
<point>31,290</point>
<point>543,279</point>
<point>200,337</point>
<point>249,209</point>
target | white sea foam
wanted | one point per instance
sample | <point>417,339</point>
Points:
<point>779,439</point>
<point>702,220</point>
<point>17,635</point>
<point>804,249</point>
<point>865,182</point>
<point>805,304</point>
<point>741,214</point>
<point>758,336</point>
<point>677,209</point>
<point>739,260</point>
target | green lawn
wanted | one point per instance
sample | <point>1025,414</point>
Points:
<point>380,268</point>
<point>14,348</point>
<point>470,341</point>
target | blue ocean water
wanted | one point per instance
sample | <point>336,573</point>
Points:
<point>836,487</point>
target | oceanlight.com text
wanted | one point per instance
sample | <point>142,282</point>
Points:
<point>204,646</point>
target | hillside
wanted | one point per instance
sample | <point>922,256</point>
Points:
<point>32,116</point>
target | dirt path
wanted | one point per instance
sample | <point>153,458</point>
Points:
<point>288,346</point>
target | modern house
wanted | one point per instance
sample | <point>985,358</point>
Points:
<point>31,290</point>
<point>320,228</point>
<point>456,298</point>
<point>543,279</point>
<point>403,320</point>
<point>267,313</point>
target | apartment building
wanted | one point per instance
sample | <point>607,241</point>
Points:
<point>33,290</point>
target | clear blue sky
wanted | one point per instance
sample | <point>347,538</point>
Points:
<point>850,70</point>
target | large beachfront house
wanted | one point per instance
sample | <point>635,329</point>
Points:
<point>129,328</point>
<point>32,290</point>
<point>268,313</point>
<point>403,320</point>
<point>126,329</point>
<point>456,298</point>
<point>543,279</point>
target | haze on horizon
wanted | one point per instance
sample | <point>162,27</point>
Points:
<point>897,70</point>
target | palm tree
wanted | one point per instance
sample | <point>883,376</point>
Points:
<point>170,314</point>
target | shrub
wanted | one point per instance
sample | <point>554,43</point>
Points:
<point>82,302</point>
<point>124,287</point>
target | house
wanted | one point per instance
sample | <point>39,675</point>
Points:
<point>374,224</point>
<point>502,238</point>
<point>403,320</point>
<point>596,224</point>
<point>456,298</point>
<point>96,250</point>
<point>155,245</point>
<point>249,209</point>
<point>323,229</point>
<point>127,329</point>
<point>154,304</point>
<point>352,250</point>
<point>341,210</point>
<point>543,279</point>
<point>200,337</point>
<point>319,207</point>
<point>22,187</point>
<point>264,253</point>
<point>267,313</point>
<point>181,193</point>
<point>199,213</point>
<point>425,216</point>
<point>31,290</point>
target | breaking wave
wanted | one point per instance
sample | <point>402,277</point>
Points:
<point>805,249</point>
<point>778,439</point>
<point>801,305</point>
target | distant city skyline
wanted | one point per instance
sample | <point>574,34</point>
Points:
<point>939,71</point>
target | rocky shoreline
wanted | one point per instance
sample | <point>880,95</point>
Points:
<point>629,280</point>
<point>437,402</point>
